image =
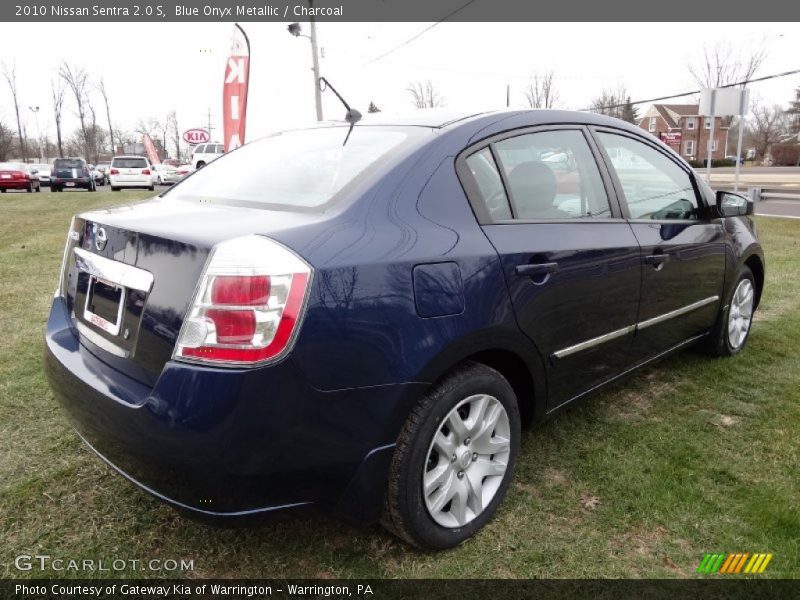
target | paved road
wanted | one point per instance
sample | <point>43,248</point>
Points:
<point>779,208</point>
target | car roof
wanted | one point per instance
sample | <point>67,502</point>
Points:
<point>130,156</point>
<point>448,119</point>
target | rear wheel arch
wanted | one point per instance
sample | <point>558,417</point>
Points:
<point>522,368</point>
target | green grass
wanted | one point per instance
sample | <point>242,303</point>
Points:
<point>690,456</point>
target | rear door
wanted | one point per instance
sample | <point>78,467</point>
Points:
<point>683,254</point>
<point>571,261</point>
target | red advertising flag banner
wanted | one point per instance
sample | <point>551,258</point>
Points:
<point>234,90</point>
<point>150,148</point>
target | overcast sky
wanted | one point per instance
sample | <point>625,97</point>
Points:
<point>150,69</point>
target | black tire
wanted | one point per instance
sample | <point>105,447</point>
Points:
<point>200,165</point>
<point>30,188</point>
<point>718,342</point>
<point>114,189</point>
<point>152,188</point>
<point>38,188</point>
<point>3,190</point>
<point>405,513</point>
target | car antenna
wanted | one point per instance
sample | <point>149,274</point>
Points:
<point>352,115</point>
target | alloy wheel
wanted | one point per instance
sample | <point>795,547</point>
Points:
<point>741,314</point>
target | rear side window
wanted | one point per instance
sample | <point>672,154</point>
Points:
<point>655,187</point>
<point>129,163</point>
<point>484,170</point>
<point>302,169</point>
<point>218,149</point>
<point>552,175</point>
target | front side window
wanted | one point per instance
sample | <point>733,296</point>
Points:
<point>294,169</point>
<point>655,187</point>
<point>552,175</point>
<point>200,149</point>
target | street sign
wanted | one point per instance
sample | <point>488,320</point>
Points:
<point>726,101</point>
<point>671,138</point>
<point>196,136</point>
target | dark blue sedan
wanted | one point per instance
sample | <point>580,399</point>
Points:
<point>366,323</point>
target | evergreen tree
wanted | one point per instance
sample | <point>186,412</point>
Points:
<point>373,108</point>
<point>629,112</point>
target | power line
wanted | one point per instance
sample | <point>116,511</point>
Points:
<point>692,93</point>
<point>424,31</point>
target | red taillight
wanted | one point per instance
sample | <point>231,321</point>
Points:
<point>247,307</point>
<point>113,172</point>
<point>238,290</point>
<point>145,171</point>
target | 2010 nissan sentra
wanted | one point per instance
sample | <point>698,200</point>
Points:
<point>367,326</point>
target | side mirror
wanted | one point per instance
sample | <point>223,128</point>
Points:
<point>730,204</point>
<point>34,172</point>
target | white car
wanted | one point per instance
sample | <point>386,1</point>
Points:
<point>43,173</point>
<point>130,172</point>
<point>205,153</point>
<point>165,174</point>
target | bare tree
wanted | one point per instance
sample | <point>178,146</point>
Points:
<point>101,87</point>
<point>425,95</point>
<point>766,126</point>
<point>174,131</point>
<point>77,80</point>
<point>541,92</point>
<point>615,103</point>
<point>6,141</point>
<point>57,90</point>
<point>723,64</point>
<point>149,126</point>
<point>10,74</point>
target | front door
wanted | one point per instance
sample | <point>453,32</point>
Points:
<point>683,253</point>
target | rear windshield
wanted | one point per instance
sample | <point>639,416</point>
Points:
<point>302,169</point>
<point>68,163</point>
<point>129,163</point>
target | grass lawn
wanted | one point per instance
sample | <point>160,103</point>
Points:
<point>694,455</point>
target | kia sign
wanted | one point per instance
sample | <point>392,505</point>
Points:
<point>196,136</point>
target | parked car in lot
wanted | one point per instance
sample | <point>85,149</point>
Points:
<point>71,173</point>
<point>103,167</point>
<point>166,174</point>
<point>99,178</point>
<point>205,153</point>
<point>184,170</point>
<point>130,172</point>
<point>18,176</point>
<point>42,173</point>
<point>368,326</point>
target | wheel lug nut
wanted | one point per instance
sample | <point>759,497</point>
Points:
<point>452,460</point>
<point>474,456</point>
<point>467,441</point>
<point>461,474</point>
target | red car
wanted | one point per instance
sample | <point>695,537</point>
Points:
<point>18,176</point>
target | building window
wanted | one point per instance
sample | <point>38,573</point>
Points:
<point>652,125</point>
<point>713,145</point>
<point>708,123</point>
<point>690,122</point>
<point>688,148</point>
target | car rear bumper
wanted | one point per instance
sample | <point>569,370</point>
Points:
<point>78,182</point>
<point>144,181</point>
<point>14,184</point>
<point>227,443</point>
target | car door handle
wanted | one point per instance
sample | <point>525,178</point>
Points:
<point>657,260</point>
<point>532,270</point>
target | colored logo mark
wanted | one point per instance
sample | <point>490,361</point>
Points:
<point>734,562</point>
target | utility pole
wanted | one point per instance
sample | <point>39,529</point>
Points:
<point>315,63</point>
<point>209,123</point>
<point>35,111</point>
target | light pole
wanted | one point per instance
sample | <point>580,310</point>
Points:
<point>296,31</point>
<point>35,111</point>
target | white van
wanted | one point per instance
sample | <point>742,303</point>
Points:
<point>130,172</point>
<point>205,153</point>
